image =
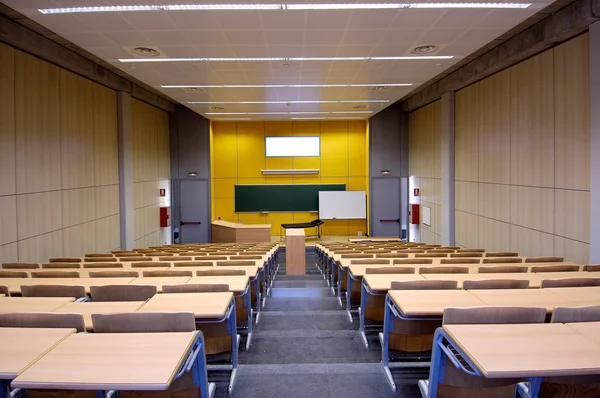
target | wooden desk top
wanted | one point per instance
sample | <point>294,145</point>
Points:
<point>237,283</point>
<point>88,308</point>
<point>383,282</point>
<point>14,284</point>
<point>32,304</point>
<point>522,297</point>
<point>359,269</point>
<point>23,346</point>
<point>203,305</point>
<point>159,281</point>
<point>534,279</point>
<point>417,303</point>
<point>292,232</point>
<point>531,350</point>
<point>589,329</point>
<point>235,225</point>
<point>589,295</point>
<point>121,361</point>
<point>251,270</point>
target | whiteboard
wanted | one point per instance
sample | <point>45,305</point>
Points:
<point>342,205</point>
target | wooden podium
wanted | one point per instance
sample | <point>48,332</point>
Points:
<point>295,252</point>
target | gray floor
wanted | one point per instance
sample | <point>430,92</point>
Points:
<point>305,346</point>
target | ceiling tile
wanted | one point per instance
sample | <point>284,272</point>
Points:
<point>110,22</point>
<point>250,51</point>
<point>401,37</point>
<point>214,51</point>
<point>440,36</point>
<point>460,19</point>
<point>283,20</point>
<point>416,18</point>
<point>328,19</point>
<point>362,37</point>
<point>245,37</point>
<point>372,19</point>
<point>167,38</point>
<point>185,51</point>
<point>285,37</point>
<point>323,37</point>
<point>194,21</point>
<point>157,20</point>
<point>128,38</point>
<point>89,40</point>
<point>319,51</point>
<point>238,20</point>
<point>206,37</point>
<point>285,51</point>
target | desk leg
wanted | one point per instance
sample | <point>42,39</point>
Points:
<point>438,363</point>
<point>361,312</point>
<point>530,389</point>
<point>248,302</point>
<point>199,370</point>
<point>232,329</point>
<point>334,267</point>
<point>339,285</point>
<point>349,295</point>
<point>327,269</point>
<point>264,284</point>
<point>385,355</point>
<point>257,288</point>
<point>4,385</point>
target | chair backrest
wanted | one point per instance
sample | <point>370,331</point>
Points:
<point>220,272</point>
<point>246,257</point>
<point>501,254</point>
<point>421,261</point>
<point>371,261</point>
<point>357,255</point>
<point>236,262</point>
<point>53,291</point>
<point>122,292</point>
<point>99,255</point>
<point>193,264</point>
<point>126,254</point>
<point>413,251</point>
<point>61,265</point>
<point>502,260</point>
<point>496,284</point>
<point>544,259</point>
<point>100,259</point>
<point>375,251</point>
<point>13,274</point>
<point>390,270</point>
<point>441,251</point>
<point>144,322</point>
<point>576,314</point>
<point>102,265</point>
<point>4,290</point>
<point>428,284</point>
<point>592,267</point>
<point>169,273</point>
<point>493,315</point>
<point>444,270</point>
<point>175,258</point>
<point>136,259</point>
<point>460,261</point>
<point>43,320</point>
<point>20,265</point>
<point>470,250</point>
<point>431,255</point>
<point>392,255</point>
<point>114,274</point>
<point>555,268</point>
<point>55,274</point>
<point>570,282</point>
<point>501,269</point>
<point>195,288</point>
<point>65,260</point>
<point>211,257</point>
<point>151,264</point>
<point>467,254</point>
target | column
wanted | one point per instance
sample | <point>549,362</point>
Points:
<point>595,143</point>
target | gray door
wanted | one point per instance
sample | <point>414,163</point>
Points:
<point>194,208</point>
<point>385,205</point>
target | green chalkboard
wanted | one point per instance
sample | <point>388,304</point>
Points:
<point>299,197</point>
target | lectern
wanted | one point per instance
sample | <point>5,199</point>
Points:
<point>295,255</point>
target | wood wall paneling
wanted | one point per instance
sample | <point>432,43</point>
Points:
<point>7,121</point>
<point>572,214</point>
<point>494,235</point>
<point>78,206</point>
<point>41,247</point>
<point>494,201</point>
<point>466,134</point>
<point>529,242</point>
<point>79,239</point>
<point>38,213</point>
<point>532,208</point>
<point>107,233</point>
<point>572,250</point>
<point>106,200</point>
<point>467,196</point>
<point>9,253</point>
<point>532,122</point>
<point>8,219</point>
<point>106,137</point>
<point>37,124</point>
<point>572,113</point>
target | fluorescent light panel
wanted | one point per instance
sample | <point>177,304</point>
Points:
<point>289,85</point>
<point>286,102</point>
<point>212,7</point>
<point>282,59</point>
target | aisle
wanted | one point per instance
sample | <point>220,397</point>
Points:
<point>305,346</point>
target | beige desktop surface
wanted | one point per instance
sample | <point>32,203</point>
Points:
<point>90,307</point>
<point>432,302</point>
<point>32,304</point>
<point>203,305</point>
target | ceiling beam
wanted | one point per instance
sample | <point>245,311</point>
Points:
<point>25,39</point>
<point>562,25</point>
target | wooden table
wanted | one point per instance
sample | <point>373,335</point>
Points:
<point>159,281</point>
<point>237,283</point>
<point>588,295</point>
<point>383,282</point>
<point>225,231</point>
<point>88,308</point>
<point>522,297</point>
<point>431,303</point>
<point>121,361</point>
<point>589,329</point>
<point>534,279</point>
<point>23,346</point>
<point>295,252</point>
<point>32,304</point>
<point>14,284</point>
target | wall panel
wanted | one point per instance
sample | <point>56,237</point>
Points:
<point>466,134</point>
<point>79,239</point>
<point>106,139</point>
<point>41,247</point>
<point>39,213</point>
<point>78,206</point>
<point>7,121</point>
<point>8,219</point>
<point>572,214</point>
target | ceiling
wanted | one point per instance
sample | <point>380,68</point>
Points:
<point>279,33</point>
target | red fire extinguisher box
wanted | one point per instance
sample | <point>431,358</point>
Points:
<point>413,213</point>
<point>165,216</point>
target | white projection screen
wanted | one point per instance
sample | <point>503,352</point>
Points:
<point>342,205</point>
<point>292,146</point>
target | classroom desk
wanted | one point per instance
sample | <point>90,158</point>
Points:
<point>122,361</point>
<point>295,256</point>
<point>14,284</point>
<point>257,279</point>
<point>32,304</point>
<point>418,305</point>
<point>532,351</point>
<point>534,279</point>
<point>226,232</point>
<point>159,281</point>
<point>522,297</point>
<point>91,307</point>
<point>23,346</point>
<point>209,308</point>
<point>589,329</point>
<point>580,296</point>
<point>240,287</point>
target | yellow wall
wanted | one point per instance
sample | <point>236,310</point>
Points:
<point>238,156</point>
<point>59,194</point>
<point>151,172</point>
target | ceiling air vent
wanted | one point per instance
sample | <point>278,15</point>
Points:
<point>192,89</point>
<point>360,107</point>
<point>426,49</point>
<point>216,108</point>
<point>381,88</point>
<point>146,52</point>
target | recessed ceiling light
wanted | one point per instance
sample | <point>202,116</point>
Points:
<point>145,52</point>
<point>426,49</point>
<point>212,7</point>
<point>387,86</point>
<point>291,59</point>
<point>287,102</point>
